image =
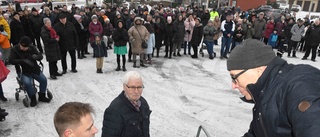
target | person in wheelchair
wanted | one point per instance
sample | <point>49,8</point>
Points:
<point>26,56</point>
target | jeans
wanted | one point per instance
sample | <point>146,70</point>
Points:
<point>187,44</point>
<point>28,83</point>
<point>225,46</point>
<point>209,45</point>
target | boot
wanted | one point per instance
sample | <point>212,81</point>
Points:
<point>179,54</point>
<point>294,54</point>
<point>100,70</point>
<point>142,64</point>
<point>43,98</point>
<point>118,68</point>
<point>97,70</point>
<point>2,110</point>
<point>124,68</point>
<point>135,64</point>
<point>33,102</point>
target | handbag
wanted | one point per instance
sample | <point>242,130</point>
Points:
<point>144,44</point>
<point>4,71</point>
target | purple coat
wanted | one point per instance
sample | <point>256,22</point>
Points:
<point>95,28</point>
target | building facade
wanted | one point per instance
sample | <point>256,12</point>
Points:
<point>309,5</point>
<point>248,4</point>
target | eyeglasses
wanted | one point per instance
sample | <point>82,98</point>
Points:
<point>139,88</point>
<point>234,78</point>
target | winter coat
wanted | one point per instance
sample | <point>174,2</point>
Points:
<point>136,39</point>
<point>197,35</point>
<point>19,57</point>
<point>189,25</point>
<point>281,27</point>
<point>95,28</point>
<point>287,31</point>
<point>129,23</point>
<point>36,23</point>
<point>17,31</point>
<point>238,35</point>
<point>69,39</point>
<point>272,41</point>
<point>158,29</point>
<point>297,32</point>
<point>149,26</point>
<point>99,49</point>
<point>286,100</point>
<point>108,29</point>
<point>250,33</point>
<point>213,15</point>
<point>205,18</point>
<point>51,46</point>
<point>217,26</point>
<point>120,37</point>
<point>4,41</point>
<point>169,31</point>
<point>209,32</point>
<point>6,26</point>
<point>179,31</point>
<point>269,29</point>
<point>313,35</point>
<point>82,33</point>
<point>122,119</point>
<point>259,27</point>
<point>227,28</point>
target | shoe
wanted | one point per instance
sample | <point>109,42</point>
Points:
<point>118,68</point>
<point>74,70</point>
<point>135,65</point>
<point>100,71</point>
<point>129,60</point>
<point>64,71</point>
<point>174,54</point>
<point>166,56</point>
<point>194,57</point>
<point>169,57</point>
<point>33,102</point>
<point>304,58</point>
<point>43,98</point>
<point>318,55</point>
<point>58,74</point>
<point>2,110</point>
<point>313,60</point>
<point>3,115</point>
<point>189,53</point>
<point>124,68</point>
<point>142,65</point>
<point>225,57</point>
<point>80,57</point>
<point>184,53</point>
<point>221,57</point>
<point>294,56</point>
<point>3,98</point>
<point>288,56</point>
<point>53,77</point>
<point>179,54</point>
<point>87,52</point>
<point>211,57</point>
<point>83,56</point>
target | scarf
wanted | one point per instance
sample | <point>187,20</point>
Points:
<point>53,33</point>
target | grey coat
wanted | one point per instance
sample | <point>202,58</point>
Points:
<point>259,27</point>
<point>209,32</point>
<point>297,32</point>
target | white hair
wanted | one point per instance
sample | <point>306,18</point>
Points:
<point>129,75</point>
<point>45,20</point>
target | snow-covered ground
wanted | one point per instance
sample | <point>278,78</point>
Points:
<point>183,93</point>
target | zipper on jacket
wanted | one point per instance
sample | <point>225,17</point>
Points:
<point>262,125</point>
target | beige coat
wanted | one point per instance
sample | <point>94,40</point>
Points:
<point>216,25</point>
<point>135,38</point>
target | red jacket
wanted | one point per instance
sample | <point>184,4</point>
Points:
<point>269,29</point>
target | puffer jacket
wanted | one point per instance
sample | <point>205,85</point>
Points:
<point>286,100</point>
<point>313,35</point>
<point>189,25</point>
<point>297,32</point>
<point>121,119</point>
<point>179,31</point>
<point>120,37</point>
<point>209,32</point>
<point>6,26</point>
<point>197,35</point>
<point>99,49</point>
<point>137,34</point>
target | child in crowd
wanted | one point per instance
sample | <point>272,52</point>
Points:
<point>250,31</point>
<point>273,38</point>
<point>99,52</point>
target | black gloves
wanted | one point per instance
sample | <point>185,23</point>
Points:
<point>28,62</point>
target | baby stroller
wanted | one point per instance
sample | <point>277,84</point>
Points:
<point>26,100</point>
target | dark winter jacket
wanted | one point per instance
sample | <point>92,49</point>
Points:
<point>205,18</point>
<point>120,37</point>
<point>108,29</point>
<point>286,100</point>
<point>99,49</point>
<point>287,30</point>
<point>209,32</point>
<point>227,28</point>
<point>51,46</point>
<point>69,39</point>
<point>313,35</point>
<point>129,23</point>
<point>82,33</point>
<point>36,23</point>
<point>17,31</point>
<point>240,37</point>
<point>52,17</point>
<point>197,35</point>
<point>179,31</point>
<point>19,57</point>
<point>95,28</point>
<point>158,32</point>
<point>122,119</point>
<point>149,26</point>
<point>169,32</point>
<point>269,29</point>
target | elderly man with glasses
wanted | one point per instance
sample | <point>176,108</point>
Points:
<point>286,97</point>
<point>128,114</point>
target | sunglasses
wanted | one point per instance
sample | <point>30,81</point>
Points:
<point>234,78</point>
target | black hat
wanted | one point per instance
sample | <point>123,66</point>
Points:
<point>250,54</point>
<point>61,16</point>
<point>34,9</point>
<point>25,41</point>
<point>15,13</point>
<point>18,10</point>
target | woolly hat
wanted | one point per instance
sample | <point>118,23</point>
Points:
<point>62,15</point>
<point>15,13</point>
<point>250,54</point>
<point>77,17</point>
<point>25,41</point>
<point>34,9</point>
<point>94,17</point>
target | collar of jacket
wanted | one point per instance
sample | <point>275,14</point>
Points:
<point>127,101</point>
<point>273,68</point>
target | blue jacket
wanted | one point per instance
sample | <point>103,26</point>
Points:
<point>227,28</point>
<point>99,50</point>
<point>287,101</point>
<point>272,41</point>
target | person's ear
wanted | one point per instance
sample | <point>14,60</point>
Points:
<point>68,133</point>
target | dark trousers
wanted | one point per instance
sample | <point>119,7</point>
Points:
<point>195,50</point>
<point>130,51</point>
<point>123,60</point>
<point>302,44</point>
<point>314,51</point>
<point>292,45</point>
<point>82,49</point>
<point>187,45</point>
<point>168,48</point>
<point>265,40</point>
<point>53,68</point>
<point>215,42</point>
<point>37,40</point>
<point>72,54</point>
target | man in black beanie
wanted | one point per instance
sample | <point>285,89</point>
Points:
<point>286,96</point>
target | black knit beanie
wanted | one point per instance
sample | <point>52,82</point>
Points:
<point>251,53</point>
